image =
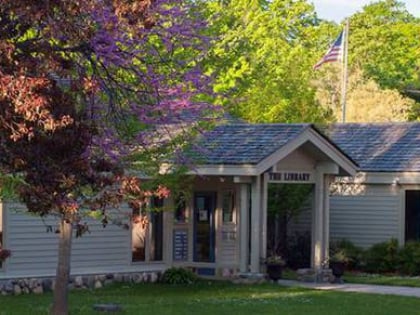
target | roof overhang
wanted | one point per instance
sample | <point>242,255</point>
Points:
<point>383,178</point>
<point>347,167</point>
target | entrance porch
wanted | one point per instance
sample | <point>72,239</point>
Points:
<point>227,227</point>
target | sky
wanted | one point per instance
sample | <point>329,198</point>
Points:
<point>337,10</point>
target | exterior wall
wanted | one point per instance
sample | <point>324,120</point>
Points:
<point>227,246</point>
<point>34,251</point>
<point>302,223</point>
<point>227,233</point>
<point>108,250</point>
<point>365,214</point>
<point>297,159</point>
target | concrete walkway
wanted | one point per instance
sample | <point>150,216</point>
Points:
<point>351,287</point>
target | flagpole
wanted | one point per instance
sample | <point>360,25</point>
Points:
<point>344,71</point>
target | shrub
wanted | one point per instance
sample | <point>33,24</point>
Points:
<point>353,254</point>
<point>178,276</point>
<point>409,259</point>
<point>275,260</point>
<point>298,252</point>
<point>340,256</point>
<point>382,257</point>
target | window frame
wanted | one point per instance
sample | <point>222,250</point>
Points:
<point>149,234</point>
<point>180,209</point>
<point>231,214</point>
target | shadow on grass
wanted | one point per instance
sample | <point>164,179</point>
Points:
<point>218,298</point>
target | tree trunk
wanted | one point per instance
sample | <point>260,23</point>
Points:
<point>60,299</point>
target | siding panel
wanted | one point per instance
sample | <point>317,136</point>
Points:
<point>365,219</point>
<point>35,251</point>
<point>302,223</point>
<point>229,255</point>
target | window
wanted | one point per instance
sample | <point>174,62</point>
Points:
<point>228,200</point>
<point>180,208</point>
<point>156,240</point>
<point>147,233</point>
<point>138,235</point>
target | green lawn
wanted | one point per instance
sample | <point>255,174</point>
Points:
<point>217,298</point>
<point>367,278</point>
<point>353,277</point>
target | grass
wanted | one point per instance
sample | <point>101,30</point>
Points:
<point>216,298</point>
<point>366,278</point>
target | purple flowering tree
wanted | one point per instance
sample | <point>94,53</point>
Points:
<point>86,87</point>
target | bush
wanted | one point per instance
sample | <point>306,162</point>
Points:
<point>353,254</point>
<point>178,276</point>
<point>298,252</point>
<point>409,259</point>
<point>382,257</point>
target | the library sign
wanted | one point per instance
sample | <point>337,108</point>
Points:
<point>291,177</point>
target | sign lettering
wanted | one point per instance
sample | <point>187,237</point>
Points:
<point>180,245</point>
<point>290,177</point>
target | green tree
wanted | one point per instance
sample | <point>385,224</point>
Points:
<point>384,52</point>
<point>384,41</point>
<point>263,59</point>
<point>285,202</point>
<point>80,81</point>
<point>366,101</point>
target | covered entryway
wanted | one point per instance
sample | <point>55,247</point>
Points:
<point>288,225</point>
<point>253,156</point>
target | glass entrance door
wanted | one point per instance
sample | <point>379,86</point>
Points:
<point>204,229</point>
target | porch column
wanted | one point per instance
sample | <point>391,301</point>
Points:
<point>321,215</point>
<point>244,228</point>
<point>255,224</point>
<point>317,222</point>
<point>327,182</point>
<point>264,197</point>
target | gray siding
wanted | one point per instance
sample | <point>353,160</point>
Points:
<point>34,251</point>
<point>229,255</point>
<point>303,223</point>
<point>367,217</point>
<point>363,214</point>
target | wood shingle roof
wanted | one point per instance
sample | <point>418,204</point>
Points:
<point>386,147</point>
<point>236,144</point>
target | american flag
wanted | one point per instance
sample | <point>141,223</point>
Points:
<point>335,52</point>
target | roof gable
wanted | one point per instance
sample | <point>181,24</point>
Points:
<point>251,149</point>
<point>237,144</point>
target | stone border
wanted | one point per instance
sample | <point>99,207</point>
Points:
<point>41,285</point>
